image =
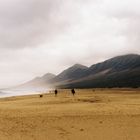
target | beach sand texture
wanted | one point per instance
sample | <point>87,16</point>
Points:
<point>101,114</point>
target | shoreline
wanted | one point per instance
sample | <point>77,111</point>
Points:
<point>61,90</point>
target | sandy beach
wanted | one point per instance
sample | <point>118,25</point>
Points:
<point>101,114</point>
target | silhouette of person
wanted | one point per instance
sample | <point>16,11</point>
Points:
<point>41,96</point>
<point>73,92</point>
<point>55,92</point>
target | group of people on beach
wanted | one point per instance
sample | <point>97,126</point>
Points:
<point>72,91</point>
<point>56,92</point>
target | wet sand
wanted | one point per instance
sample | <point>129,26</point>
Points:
<point>101,114</point>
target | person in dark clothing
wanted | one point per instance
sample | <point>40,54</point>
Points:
<point>73,92</point>
<point>55,92</point>
<point>41,96</point>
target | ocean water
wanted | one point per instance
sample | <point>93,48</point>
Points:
<point>21,92</point>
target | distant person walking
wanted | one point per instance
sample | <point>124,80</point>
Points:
<point>55,92</point>
<point>73,92</point>
<point>41,96</point>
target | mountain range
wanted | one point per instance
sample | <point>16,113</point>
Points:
<point>120,71</point>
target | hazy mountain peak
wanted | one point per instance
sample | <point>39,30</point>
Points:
<point>79,66</point>
<point>127,56</point>
<point>48,76</point>
<point>72,72</point>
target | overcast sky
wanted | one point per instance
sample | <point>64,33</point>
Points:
<point>40,36</point>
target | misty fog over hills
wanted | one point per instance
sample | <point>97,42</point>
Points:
<point>120,71</point>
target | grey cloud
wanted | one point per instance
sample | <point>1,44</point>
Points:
<point>127,13</point>
<point>29,23</point>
